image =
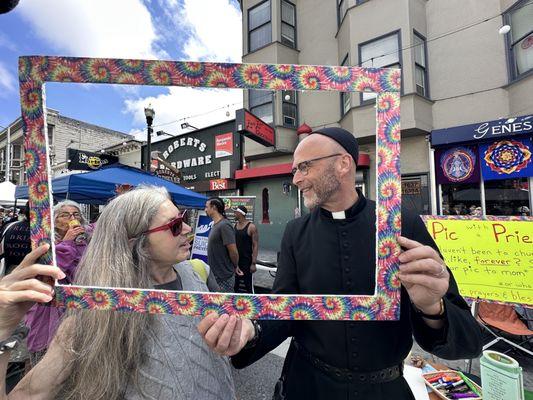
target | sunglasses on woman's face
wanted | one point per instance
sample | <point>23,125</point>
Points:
<point>175,226</point>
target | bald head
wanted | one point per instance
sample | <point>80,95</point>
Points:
<point>317,145</point>
<point>320,143</point>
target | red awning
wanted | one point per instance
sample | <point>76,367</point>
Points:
<point>271,170</point>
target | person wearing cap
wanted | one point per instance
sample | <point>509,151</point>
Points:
<point>247,241</point>
<point>331,250</point>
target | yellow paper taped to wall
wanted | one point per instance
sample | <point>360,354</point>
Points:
<point>490,259</point>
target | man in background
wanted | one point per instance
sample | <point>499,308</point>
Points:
<point>222,254</point>
<point>247,241</point>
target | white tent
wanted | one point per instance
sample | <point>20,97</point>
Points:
<point>7,195</point>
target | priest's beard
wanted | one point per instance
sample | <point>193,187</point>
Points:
<point>324,187</point>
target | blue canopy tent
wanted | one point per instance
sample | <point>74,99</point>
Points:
<point>99,186</point>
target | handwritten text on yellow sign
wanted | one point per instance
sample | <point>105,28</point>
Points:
<point>491,260</point>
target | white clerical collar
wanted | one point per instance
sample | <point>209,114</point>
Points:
<point>338,215</point>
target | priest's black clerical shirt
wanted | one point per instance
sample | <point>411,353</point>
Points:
<point>324,255</point>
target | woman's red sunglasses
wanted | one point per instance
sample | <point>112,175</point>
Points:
<point>175,225</point>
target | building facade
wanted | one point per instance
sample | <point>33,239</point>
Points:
<point>205,159</point>
<point>63,133</point>
<point>457,69</point>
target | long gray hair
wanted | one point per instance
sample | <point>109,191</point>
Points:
<point>105,348</point>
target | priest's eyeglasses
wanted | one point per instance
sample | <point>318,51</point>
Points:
<point>304,166</point>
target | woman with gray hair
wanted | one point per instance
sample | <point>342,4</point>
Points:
<point>71,238</point>
<point>68,220</point>
<point>138,242</point>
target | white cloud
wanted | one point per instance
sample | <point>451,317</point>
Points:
<point>96,28</point>
<point>7,81</point>
<point>179,102</point>
<point>201,30</point>
<point>216,30</point>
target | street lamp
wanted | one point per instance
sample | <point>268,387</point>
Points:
<point>186,125</point>
<point>149,113</point>
<point>161,133</point>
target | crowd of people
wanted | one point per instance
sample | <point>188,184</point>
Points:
<point>141,240</point>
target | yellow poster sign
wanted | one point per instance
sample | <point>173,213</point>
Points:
<point>490,259</point>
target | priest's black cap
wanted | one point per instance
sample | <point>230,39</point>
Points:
<point>344,138</point>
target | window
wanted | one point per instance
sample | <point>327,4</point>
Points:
<point>421,79</point>
<point>260,104</point>
<point>259,26</point>
<point>459,199</point>
<point>345,96</point>
<point>16,155</point>
<point>520,39</point>
<point>289,108</point>
<point>50,134</point>
<point>507,197</point>
<point>415,192</point>
<point>380,53</point>
<point>288,24</point>
<point>343,6</point>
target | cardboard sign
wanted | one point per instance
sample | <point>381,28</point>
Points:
<point>491,259</point>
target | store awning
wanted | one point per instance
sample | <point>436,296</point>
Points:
<point>490,130</point>
<point>99,186</point>
<point>270,170</point>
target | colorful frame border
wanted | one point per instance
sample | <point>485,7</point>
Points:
<point>524,218</point>
<point>35,71</point>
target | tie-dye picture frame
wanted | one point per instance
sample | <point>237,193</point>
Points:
<point>35,71</point>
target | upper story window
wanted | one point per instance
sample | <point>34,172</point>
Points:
<point>50,129</point>
<point>260,104</point>
<point>289,108</point>
<point>346,102</point>
<point>259,26</point>
<point>16,152</point>
<point>421,72</point>
<point>3,159</point>
<point>380,53</point>
<point>343,6</point>
<point>520,38</point>
<point>288,23</point>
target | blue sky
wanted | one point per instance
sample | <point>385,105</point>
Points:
<point>200,30</point>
